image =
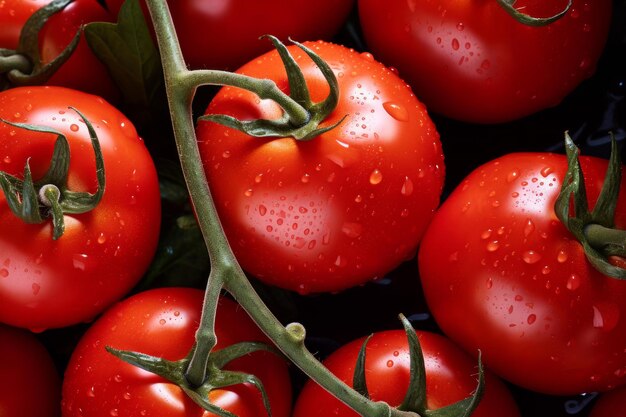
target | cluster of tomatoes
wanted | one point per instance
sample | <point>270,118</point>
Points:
<point>432,195</point>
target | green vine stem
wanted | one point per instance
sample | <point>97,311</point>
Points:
<point>226,273</point>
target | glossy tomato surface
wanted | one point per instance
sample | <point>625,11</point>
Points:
<point>472,61</point>
<point>225,34</point>
<point>103,253</point>
<point>340,209</point>
<point>30,385</point>
<point>450,377</point>
<point>83,70</point>
<point>497,257</point>
<point>163,323</point>
<point>13,15</point>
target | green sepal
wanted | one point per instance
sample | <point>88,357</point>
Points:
<point>593,229</point>
<point>127,49</point>
<point>34,201</point>
<point>36,72</point>
<point>174,371</point>
<point>298,91</point>
<point>526,19</point>
<point>359,382</point>
<point>415,398</point>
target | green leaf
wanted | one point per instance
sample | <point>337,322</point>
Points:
<point>359,381</point>
<point>129,53</point>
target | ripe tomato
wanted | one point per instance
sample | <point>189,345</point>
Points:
<point>47,283</point>
<point>340,209</point>
<point>57,34</point>
<point>472,61</point>
<point>163,322</point>
<point>496,254</point>
<point>30,385</point>
<point>225,34</point>
<point>610,404</point>
<point>13,15</point>
<point>450,377</point>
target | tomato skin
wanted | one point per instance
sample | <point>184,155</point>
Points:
<point>163,322</point>
<point>610,404</point>
<point>30,385</point>
<point>496,254</point>
<point>13,15</point>
<point>466,69</point>
<point>103,253</point>
<point>342,208</point>
<point>83,70</point>
<point>225,34</point>
<point>450,377</point>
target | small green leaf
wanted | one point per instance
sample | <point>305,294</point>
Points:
<point>129,53</point>
<point>359,382</point>
<point>415,398</point>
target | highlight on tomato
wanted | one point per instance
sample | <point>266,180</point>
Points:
<point>163,322</point>
<point>30,385</point>
<point>79,209</point>
<point>478,62</point>
<point>328,209</point>
<point>529,250</point>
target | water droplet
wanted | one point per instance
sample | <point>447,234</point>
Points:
<point>248,192</point>
<point>7,160</point>
<point>358,198</point>
<point>226,154</point>
<point>546,171</point>
<point>91,392</point>
<point>262,210</point>
<point>493,246</point>
<point>389,363</point>
<point>305,178</point>
<point>79,261</point>
<point>561,256</point>
<point>531,257</point>
<point>258,178</point>
<point>407,187</point>
<point>127,395</point>
<point>573,282</point>
<point>4,273</point>
<point>118,378</point>
<point>74,127</point>
<point>460,26</point>
<point>529,227</point>
<point>340,261</point>
<point>489,283</point>
<point>36,287</point>
<point>531,318</point>
<point>455,44</point>
<point>101,238</point>
<point>605,316</point>
<point>397,111</point>
<point>162,322</point>
<point>352,230</point>
<point>396,353</point>
<point>545,270</point>
<point>486,234</point>
<point>512,176</point>
<point>376,177</point>
<point>114,412</point>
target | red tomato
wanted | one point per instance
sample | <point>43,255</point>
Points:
<point>225,34</point>
<point>30,385</point>
<point>342,208</point>
<point>48,283</point>
<point>610,404</point>
<point>83,70</point>
<point>13,15</point>
<point>163,322</point>
<point>497,257</point>
<point>472,61</point>
<point>450,377</point>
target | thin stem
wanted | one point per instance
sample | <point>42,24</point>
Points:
<point>601,237</point>
<point>180,85</point>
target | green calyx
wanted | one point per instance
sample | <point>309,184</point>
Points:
<point>35,201</point>
<point>286,126</point>
<point>595,229</point>
<point>526,19</point>
<point>23,66</point>
<point>217,378</point>
<point>415,397</point>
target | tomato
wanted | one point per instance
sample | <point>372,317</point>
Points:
<point>30,385</point>
<point>496,256</point>
<point>340,209</point>
<point>450,377</point>
<point>57,34</point>
<point>470,60</point>
<point>610,404</point>
<point>225,34</point>
<point>13,15</point>
<point>46,283</point>
<point>163,322</point>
